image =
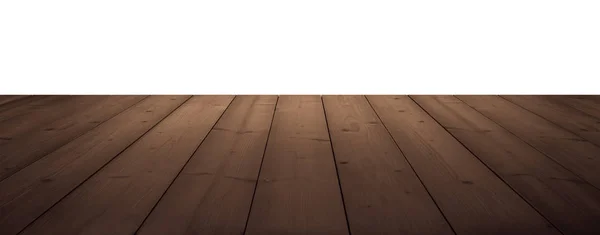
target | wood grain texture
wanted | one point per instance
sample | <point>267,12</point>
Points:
<point>32,105</point>
<point>20,106</point>
<point>117,199</point>
<point>298,190</point>
<point>571,151</point>
<point>27,194</point>
<point>332,165</point>
<point>595,98</point>
<point>382,193</point>
<point>463,187</point>
<point>87,113</point>
<point>586,105</point>
<point>33,112</point>
<point>567,117</point>
<point>213,193</point>
<point>5,99</point>
<point>38,111</point>
<point>41,116</point>
<point>569,203</point>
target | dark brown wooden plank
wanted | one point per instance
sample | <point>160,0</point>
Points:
<point>5,99</point>
<point>118,198</point>
<point>34,107</point>
<point>298,190</point>
<point>562,115</point>
<point>28,193</point>
<point>382,193</point>
<point>566,148</point>
<point>26,149</point>
<point>46,114</point>
<point>20,106</point>
<point>591,107</point>
<point>594,98</point>
<point>473,198</point>
<point>550,188</point>
<point>213,193</point>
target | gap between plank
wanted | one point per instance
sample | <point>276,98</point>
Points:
<point>488,167</point>
<point>553,123</point>
<point>75,137</point>
<point>411,166</point>
<point>542,152</point>
<point>100,168</point>
<point>336,166</point>
<point>186,162</point>
<point>261,164</point>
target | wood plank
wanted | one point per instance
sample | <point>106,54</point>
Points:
<point>117,199</point>
<point>594,98</point>
<point>5,99</point>
<point>549,187</point>
<point>560,114</point>
<point>213,193</point>
<point>22,107</point>
<point>34,117</point>
<point>27,194</point>
<point>7,108</point>
<point>591,107</point>
<point>298,190</point>
<point>382,193</point>
<point>473,198</point>
<point>26,149</point>
<point>573,152</point>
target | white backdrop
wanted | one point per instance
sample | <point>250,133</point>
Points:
<point>299,47</point>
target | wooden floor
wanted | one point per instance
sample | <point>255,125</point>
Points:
<point>299,165</point>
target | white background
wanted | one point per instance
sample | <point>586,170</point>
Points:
<point>299,47</point>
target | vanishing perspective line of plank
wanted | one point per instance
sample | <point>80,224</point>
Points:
<point>382,193</point>
<point>586,105</point>
<point>546,185</point>
<point>298,190</point>
<point>567,117</point>
<point>125,190</point>
<point>86,114</point>
<point>27,194</point>
<point>213,192</point>
<point>343,164</point>
<point>464,188</point>
<point>571,151</point>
